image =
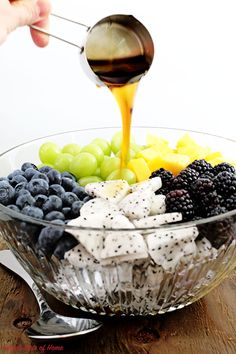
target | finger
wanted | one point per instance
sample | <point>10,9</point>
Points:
<point>40,39</point>
<point>23,12</point>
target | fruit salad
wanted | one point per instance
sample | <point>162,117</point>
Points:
<point>148,215</point>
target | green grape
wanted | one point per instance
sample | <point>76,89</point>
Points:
<point>83,165</point>
<point>62,162</point>
<point>90,179</point>
<point>125,174</point>
<point>72,149</point>
<point>109,165</point>
<point>131,154</point>
<point>116,142</point>
<point>97,172</point>
<point>136,148</point>
<point>48,152</point>
<point>95,150</point>
<point>104,145</point>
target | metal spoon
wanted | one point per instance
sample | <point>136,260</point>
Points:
<point>50,325</point>
<point>117,50</point>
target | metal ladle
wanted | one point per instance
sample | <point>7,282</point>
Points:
<point>50,325</point>
<point>117,50</point>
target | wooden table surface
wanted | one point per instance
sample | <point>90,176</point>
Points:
<point>206,327</point>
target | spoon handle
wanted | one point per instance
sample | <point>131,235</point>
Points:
<point>8,260</point>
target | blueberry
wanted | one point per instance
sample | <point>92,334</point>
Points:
<point>27,165</point>
<point>38,186</point>
<point>29,173</point>
<point>68,175</point>
<point>4,179</point>
<point>69,198</point>
<point>13,207</point>
<point>66,243</point>
<point>68,184</point>
<point>19,187</point>
<point>7,193</point>
<point>56,189</point>
<point>40,199</point>
<point>80,192</point>
<point>45,169</point>
<point>48,238</point>
<point>28,233</point>
<point>24,198</point>
<point>67,212</point>
<point>40,176</point>
<point>33,211</point>
<point>54,215</point>
<point>58,222</point>
<point>14,173</point>
<point>17,179</point>
<point>87,198</point>
<point>76,206</point>
<point>54,177</point>
<point>53,203</point>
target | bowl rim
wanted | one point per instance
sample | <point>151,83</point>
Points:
<point>173,226</point>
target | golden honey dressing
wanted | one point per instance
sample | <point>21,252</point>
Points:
<point>124,96</point>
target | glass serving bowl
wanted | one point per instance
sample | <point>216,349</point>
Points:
<point>134,287</point>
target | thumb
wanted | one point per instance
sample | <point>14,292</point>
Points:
<point>24,12</point>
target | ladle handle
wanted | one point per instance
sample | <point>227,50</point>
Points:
<point>42,30</point>
<point>8,260</point>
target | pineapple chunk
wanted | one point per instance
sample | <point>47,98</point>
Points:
<point>171,161</point>
<point>163,149</point>
<point>185,140</point>
<point>195,152</point>
<point>216,161</point>
<point>152,139</point>
<point>213,155</point>
<point>140,168</point>
<point>148,154</point>
<point>232,162</point>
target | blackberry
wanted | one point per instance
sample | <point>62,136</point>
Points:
<point>225,183</point>
<point>166,179</point>
<point>201,187</point>
<point>218,232</point>
<point>208,203</point>
<point>180,201</point>
<point>208,174</point>
<point>216,211</point>
<point>184,179</point>
<point>201,166</point>
<point>224,166</point>
<point>230,202</point>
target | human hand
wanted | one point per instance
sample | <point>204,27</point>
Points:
<point>17,13</point>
